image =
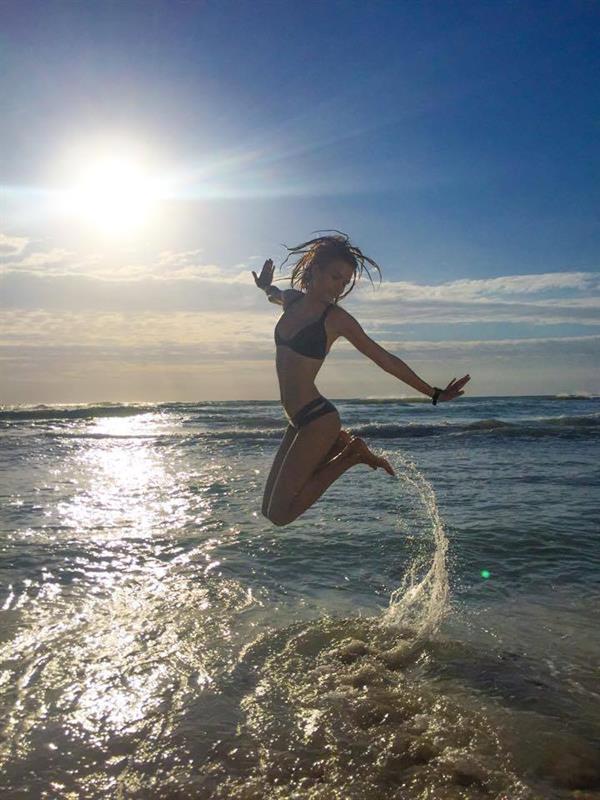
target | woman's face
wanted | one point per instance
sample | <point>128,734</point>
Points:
<point>335,278</point>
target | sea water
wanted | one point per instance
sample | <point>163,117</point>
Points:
<point>430,636</point>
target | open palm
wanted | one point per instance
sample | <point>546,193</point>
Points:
<point>454,388</point>
<point>266,275</point>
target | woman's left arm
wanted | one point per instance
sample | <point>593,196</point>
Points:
<point>351,330</point>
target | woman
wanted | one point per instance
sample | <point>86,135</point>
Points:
<point>315,451</point>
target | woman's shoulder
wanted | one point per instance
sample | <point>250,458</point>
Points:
<point>339,318</point>
<point>290,296</point>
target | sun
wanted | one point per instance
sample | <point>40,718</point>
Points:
<point>112,191</point>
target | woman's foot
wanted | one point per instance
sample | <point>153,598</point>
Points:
<point>358,450</point>
<point>340,443</point>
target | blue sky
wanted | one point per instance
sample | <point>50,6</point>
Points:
<point>456,143</point>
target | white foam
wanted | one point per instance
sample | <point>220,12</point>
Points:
<point>421,600</point>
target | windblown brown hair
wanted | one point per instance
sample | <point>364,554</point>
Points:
<point>322,251</point>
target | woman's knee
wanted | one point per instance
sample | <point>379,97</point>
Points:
<point>277,518</point>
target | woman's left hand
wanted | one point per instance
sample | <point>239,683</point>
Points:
<point>454,388</point>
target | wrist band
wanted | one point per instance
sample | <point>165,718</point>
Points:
<point>436,393</point>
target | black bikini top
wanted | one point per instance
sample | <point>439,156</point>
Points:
<point>310,341</point>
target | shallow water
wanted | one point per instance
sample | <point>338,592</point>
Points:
<point>434,636</point>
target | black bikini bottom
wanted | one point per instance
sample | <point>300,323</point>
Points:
<point>313,410</point>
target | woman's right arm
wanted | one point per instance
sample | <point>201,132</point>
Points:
<point>263,281</point>
<point>274,294</point>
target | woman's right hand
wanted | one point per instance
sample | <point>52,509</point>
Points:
<point>266,276</point>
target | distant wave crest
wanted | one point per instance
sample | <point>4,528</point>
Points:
<point>75,411</point>
<point>534,427</point>
<point>559,426</point>
<point>240,420</point>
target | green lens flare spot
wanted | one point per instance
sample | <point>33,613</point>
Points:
<point>485,573</point>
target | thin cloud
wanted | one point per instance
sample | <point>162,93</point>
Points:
<point>12,246</point>
<point>229,336</point>
<point>485,289</point>
<point>178,282</point>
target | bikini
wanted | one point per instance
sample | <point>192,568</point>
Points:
<point>310,341</point>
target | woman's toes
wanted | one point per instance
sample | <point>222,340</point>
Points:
<point>388,467</point>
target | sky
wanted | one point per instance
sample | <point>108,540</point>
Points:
<point>153,154</point>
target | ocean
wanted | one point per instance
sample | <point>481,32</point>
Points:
<point>430,636</point>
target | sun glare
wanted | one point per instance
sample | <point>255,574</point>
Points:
<point>114,192</point>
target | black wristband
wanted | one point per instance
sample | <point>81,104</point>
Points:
<point>436,393</point>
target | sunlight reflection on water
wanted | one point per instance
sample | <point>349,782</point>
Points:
<point>160,639</point>
<point>125,485</point>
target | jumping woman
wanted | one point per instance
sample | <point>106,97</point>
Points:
<point>315,450</point>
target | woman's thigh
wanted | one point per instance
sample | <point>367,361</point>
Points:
<point>307,451</point>
<point>284,446</point>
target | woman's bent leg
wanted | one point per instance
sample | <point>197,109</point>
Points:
<point>285,445</point>
<point>341,442</point>
<point>321,480</point>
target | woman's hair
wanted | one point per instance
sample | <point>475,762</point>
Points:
<point>324,250</point>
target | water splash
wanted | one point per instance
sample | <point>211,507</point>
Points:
<point>421,600</point>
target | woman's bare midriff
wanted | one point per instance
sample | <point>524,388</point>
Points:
<point>297,374</point>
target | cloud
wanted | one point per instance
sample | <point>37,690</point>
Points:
<point>177,282</point>
<point>547,298</point>
<point>12,245</point>
<point>426,313</point>
<point>541,347</point>
<point>167,266</point>
<point>225,336</point>
<point>50,261</point>
<point>501,288</point>
<point>216,331</point>
<point>187,264</point>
